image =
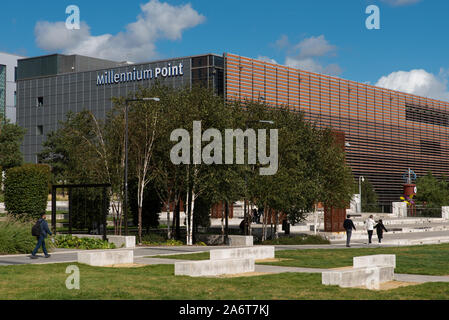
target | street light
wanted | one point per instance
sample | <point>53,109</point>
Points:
<point>125,204</point>
<point>245,213</point>
<point>361,179</point>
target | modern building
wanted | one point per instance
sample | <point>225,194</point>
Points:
<point>386,132</point>
<point>8,69</point>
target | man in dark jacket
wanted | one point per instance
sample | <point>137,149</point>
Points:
<point>348,225</point>
<point>41,239</point>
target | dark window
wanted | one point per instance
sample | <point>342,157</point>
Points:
<point>199,62</point>
<point>40,101</point>
<point>40,130</point>
<point>425,114</point>
<point>430,147</point>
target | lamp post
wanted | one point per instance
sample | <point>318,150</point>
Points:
<point>361,179</point>
<point>125,202</point>
<point>245,211</point>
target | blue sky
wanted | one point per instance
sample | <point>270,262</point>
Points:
<point>327,36</point>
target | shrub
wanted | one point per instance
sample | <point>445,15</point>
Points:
<point>16,238</point>
<point>71,242</point>
<point>26,190</point>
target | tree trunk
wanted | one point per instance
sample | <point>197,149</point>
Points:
<point>226,223</point>
<point>187,213</point>
<point>192,208</point>
<point>222,222</point>
<point>139,210</point>
<point>178,218</point>
<point>168,216</point>
<point>276,222</point>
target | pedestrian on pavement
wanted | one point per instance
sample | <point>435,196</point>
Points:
<point>44,230</point>
<point>256,216</point>
<point>348,225</point>
<point>370,227</point>
<point>380,230</point>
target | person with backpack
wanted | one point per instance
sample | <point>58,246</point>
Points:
<point>380,230</point>
<point>40,231</point>
<point>348,225</point>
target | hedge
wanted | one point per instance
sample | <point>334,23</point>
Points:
<point>26,190</point>
<point>16,238</point>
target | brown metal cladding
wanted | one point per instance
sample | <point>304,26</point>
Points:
<point>384,143</point>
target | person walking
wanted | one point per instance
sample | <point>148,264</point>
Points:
<point>380,228</point>
<point>370,228</point>
<point>44,230</point>
<point>348,225</point>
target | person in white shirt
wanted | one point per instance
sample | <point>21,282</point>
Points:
<point>370,227</point>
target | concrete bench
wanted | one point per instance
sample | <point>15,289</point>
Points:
<point>123,241</point>
<point>377,260</point>
<point>256,253</point>
<point>106,258</point>
<point>246,241</point>
<point>214,267</point>
<point>358,277</point>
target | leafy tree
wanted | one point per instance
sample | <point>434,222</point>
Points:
<point>432,192</point>
<point>11,136</point>
<point>369,197</point>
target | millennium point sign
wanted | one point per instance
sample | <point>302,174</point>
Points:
<point>112,77</point>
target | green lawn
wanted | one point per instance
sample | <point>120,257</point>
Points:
<point>428,260</point>
<point>159,282</point>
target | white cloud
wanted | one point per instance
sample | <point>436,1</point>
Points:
<point>157,20</point>
<point>314,47</point>
<point>306,54</point>
<point>266,59</point>
<point>397,3</point>
<point>419,82</point>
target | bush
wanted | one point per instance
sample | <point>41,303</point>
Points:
<point>71,242</point>
<point>16,238</point>
<point>26,190</point>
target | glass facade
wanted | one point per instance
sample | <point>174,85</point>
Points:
<point>44,101</point>
<point>388,131</point>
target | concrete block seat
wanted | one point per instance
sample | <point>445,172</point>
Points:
<point>123,241</point>
<point>358,277</point>
<point>256,253</point>
<point>214,267</point>
<point>106,258</point>
<point>377,260</point>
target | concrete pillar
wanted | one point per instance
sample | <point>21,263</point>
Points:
<point>445,213</point>
<point>399,209</point>
<point>356,206</point>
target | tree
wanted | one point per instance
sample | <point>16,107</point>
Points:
<point>11,136</point>
<point>432,192</point>
<point>369,197</point>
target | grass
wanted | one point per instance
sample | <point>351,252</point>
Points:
<point>159,283</point>
<point>427,260</point>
